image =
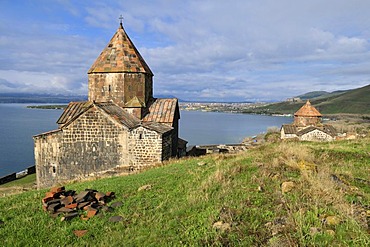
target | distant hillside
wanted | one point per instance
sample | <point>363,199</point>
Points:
<point>313,94</point>
<point>355,101</point>
<point>39,98</point>
<point>321,94</point>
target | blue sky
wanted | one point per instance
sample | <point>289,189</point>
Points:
<point>217,50</point>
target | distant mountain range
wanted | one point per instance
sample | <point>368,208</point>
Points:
<point>39,98</point>
<point>355,101</point>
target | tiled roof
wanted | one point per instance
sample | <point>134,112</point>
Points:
<point>157,127</point>
<point>328,129</point>
<point>289,129</point>
<point>47,133</point>
<point>128,120</point>
<point>307,130</point>
<point>162,111</point>
<point>181,143</point>
<point>73,110</point>
<point>308,111</point>
<point>120,55</point>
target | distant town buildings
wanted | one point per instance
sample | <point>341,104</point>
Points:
<point>294,99</point>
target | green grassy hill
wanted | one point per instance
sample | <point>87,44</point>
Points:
<point>218,200</point>
<point>356,101</point>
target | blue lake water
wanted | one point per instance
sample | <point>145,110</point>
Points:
<point>18,124</point>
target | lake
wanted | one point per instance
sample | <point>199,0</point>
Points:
<point>18,124</point>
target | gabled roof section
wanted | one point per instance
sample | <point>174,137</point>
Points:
<point>157,127</point>
<point>307,130</point>
<point>162,111</point>
<point>289,129</point>
<point>329,129</point>
<point>116,112</point>
<point>73,110</point>
<point>135,102</point>
<point>120,55</point>
<point>308,111</point>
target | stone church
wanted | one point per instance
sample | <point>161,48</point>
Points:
<point>307,126</point>
<point>121,126</point>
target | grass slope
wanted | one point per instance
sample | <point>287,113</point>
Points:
<point>244,191</point>
<point>356,101</point>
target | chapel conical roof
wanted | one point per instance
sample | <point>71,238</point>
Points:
<point>120,55</point>
<point>308,111</point>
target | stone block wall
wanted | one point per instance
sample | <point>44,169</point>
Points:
<point>47,154</point>
<point>167,142</point>
<point>306,121</point>
<point>145,147</point>
<point>91,144</point>
<point>120,87</point>
<point>316,135</point>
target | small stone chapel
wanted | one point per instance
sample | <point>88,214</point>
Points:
<point>121,126</point>
<point>307,126</point>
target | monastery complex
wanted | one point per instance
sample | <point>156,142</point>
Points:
<point>121,126</point>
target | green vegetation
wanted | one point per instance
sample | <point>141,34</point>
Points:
<point>327,206</point>
<point>52,107</point>
<point>356,101</point>
<point>26,181</point>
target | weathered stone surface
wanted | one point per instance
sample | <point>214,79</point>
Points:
<point>49,194</point>
<point>45,200</point>
<point>314,230</point>
<point>67,200</point>
<point>116,204</point>
<point>201,163</point>
<point>69,216</point>
<point>332,220</point>
<point>81,205</point>
<point>107,209</point>
<point>80,233</point>
<point>219,225</point>
<point>287,187</point>
<point>54,201</point>
<point>145,187</point>
<point>64,210</point>
<point>99,196</point>
<point>115,218</point>
<point>72,205</point>
<point>110,194</point>
<point>81,196</point>
<point>53,207</point>
<point>57,189</point>
<point>91,212</point>
<point>69,206</point>
<point>330,232</point>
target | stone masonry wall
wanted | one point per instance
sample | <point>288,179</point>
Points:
<point>91,144</point>
<point>167,142</point>
<point>119,87</point>
<point>145,147</point>
<point>47,158</point>
<point>306,121</point>
<point>316,135</point>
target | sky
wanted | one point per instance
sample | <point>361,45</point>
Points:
<point>209,50</point>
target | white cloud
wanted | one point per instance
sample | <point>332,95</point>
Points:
<point>263,49</point>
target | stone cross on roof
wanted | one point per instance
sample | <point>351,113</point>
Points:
<point>120,20</point>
